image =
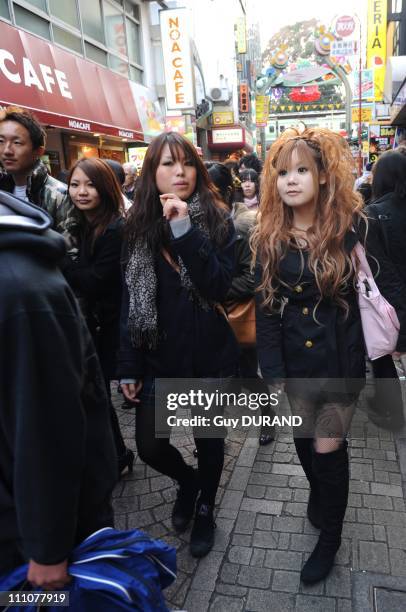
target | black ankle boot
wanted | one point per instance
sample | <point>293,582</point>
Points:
<point>304,449</point>
<point>331,471</point>
<point>125,461</point>
<point>202,536</point>
<point>185,502</point>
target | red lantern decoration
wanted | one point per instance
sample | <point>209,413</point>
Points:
<point>307,93</point>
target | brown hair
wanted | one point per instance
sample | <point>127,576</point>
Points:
<point>145,218</point>
<point>338,208</point>
<point>106,184</point>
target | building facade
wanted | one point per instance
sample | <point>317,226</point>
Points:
<point>86,69</point>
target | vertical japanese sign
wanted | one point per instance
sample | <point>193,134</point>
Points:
<point>376,43</point>
<point>262,110</point>
<point>241,35</point>
<point>177,59</point>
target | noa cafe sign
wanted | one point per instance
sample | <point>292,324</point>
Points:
<point>177,59</point>
<point>41,76</point>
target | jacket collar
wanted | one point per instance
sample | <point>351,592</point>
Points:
<point>35,181</point>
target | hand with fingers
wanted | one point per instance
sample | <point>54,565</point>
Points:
<point>131,391</point>
<point>48,577</point>
<point>173,207</point>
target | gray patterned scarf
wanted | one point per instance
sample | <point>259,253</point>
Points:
<point>140,276</point>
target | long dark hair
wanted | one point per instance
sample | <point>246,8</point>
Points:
<point>145,219</point>
<point>111,199</point>
<point>389,175</point>
<point>222,178</point>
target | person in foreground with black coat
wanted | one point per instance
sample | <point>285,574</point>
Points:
<point>57,467</point>
<point>387,228</point>
<point>180,261</point>
<point>95,273</point>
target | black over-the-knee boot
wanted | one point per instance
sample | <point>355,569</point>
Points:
<point>304,449</point>
<point>331,471</point>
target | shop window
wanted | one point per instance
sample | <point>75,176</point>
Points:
<point>62,37</point>
<point>65,11</point>
<point>31,22</point>
<point>136,75</point>
<point>41,4</point>
<point>115,32</point>
<point>133,9</point>
<point>133,38</point>
<point>96,54</point>
<point>4,10</point>
<point>118,65</point>
<point>92,21</point>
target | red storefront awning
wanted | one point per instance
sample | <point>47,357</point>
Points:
<point>64,90</point>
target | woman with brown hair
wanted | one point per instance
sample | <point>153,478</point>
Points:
<point>309,330</point>
<point>179,265</point>
<point>95,274</point>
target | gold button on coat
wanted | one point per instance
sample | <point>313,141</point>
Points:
<point>305,310</point>
<point>298,289</point>
<point>308,343</point>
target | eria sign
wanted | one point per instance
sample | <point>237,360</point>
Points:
<point>177,59</point>
<point>344,26</point>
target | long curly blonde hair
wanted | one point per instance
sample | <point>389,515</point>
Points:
<point>338,209</point>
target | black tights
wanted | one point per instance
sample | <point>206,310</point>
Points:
<point>165,458</point>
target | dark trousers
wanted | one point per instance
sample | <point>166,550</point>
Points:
<point>387,400</point>
<point>162,456</point>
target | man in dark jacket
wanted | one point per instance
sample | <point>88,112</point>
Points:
<point>22,142</point>
<point>57,457</point>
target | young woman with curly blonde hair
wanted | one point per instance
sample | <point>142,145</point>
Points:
<point>308,322</point>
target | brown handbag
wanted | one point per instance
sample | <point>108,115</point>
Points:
<point>241,317</point>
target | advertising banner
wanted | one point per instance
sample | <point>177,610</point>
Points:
<point>381,138</point>
<point>262,110</point>
<point>367,84</point>
<point>376,43</point>
<point>241,35</point>
<point>175,29</point>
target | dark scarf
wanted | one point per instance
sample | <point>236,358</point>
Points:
<point>141,279</point>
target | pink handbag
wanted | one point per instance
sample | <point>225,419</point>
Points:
<point>380,322</point>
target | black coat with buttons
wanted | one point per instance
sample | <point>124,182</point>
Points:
<point>302,342</point>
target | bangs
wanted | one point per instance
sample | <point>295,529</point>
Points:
<point>178,149</point>
<point>304,153</point>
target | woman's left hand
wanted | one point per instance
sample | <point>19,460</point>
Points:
<point>173,207</point>
<point>396,355</point>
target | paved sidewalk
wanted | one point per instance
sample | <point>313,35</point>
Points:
<point>263,537</point>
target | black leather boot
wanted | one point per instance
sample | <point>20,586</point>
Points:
<point>304,449</point>
<point>331,471</point>
<point>202,536</point>
<point>185,502</point>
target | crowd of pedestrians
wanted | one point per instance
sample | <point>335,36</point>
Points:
<point>114,276</point>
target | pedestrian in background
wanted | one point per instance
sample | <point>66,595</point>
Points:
<point>57,457</point>
<point>387,215</point>
<point>309,329</point>
<point>242,287</point>
<point>250,188</point>
<point>180,262</point>
<point>118,170</point>
<point>250,162</point>
<point>131,176</point>
<point>95,273</point>
<point>22,142</point>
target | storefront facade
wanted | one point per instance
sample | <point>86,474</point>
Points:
<point>87,109</point>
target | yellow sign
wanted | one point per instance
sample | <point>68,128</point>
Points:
<point>366,115</point>
<point>223,118</point>
<point>262,110</point>
<point>376,43</point>
<point>241,36</point>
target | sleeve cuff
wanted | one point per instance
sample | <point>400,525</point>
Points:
<point>128,381</point>
<point>179,227</point>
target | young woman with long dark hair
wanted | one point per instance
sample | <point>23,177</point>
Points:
<point>179,265</point>
<point>95,275</point>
